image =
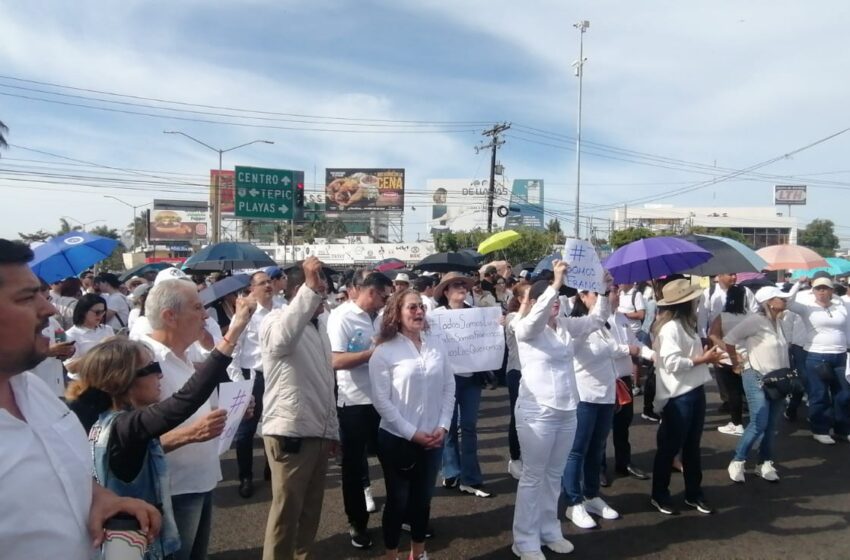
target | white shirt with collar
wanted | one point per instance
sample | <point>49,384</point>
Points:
<point>118,303</point>
<point>430,303</point>
<point>46,477</point>
<point>248,354</point>
<point>630,302</point>
<point>194,468</point>
<point>85,339</point>
<point>344,324</point>
<point>595,368</point>
<point>50,369</point>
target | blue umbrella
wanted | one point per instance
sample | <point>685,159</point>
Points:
<point>228,256</point>
<point>654,257</point>
<point>224,287</point>
<point>547,263</point>
<point>70,254</point>
<point>837,267</point>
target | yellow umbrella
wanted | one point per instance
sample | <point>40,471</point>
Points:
<point>498,241</point>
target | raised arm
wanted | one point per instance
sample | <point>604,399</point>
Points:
<point>282,329</point>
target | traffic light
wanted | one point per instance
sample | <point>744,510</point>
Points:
<point>299,195</point>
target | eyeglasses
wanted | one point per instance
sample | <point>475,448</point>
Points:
<point>149,369</point>
<point>98,312</point>
<point>415,306</point>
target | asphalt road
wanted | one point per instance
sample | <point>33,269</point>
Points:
<point>803,516</point>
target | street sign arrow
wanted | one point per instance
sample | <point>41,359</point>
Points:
<point>285,181</point>
<point>253,192</point>
<point>283,208</point>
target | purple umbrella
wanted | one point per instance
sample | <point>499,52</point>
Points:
<point>653,257</point>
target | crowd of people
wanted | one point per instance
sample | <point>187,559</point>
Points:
<point>348,365</point>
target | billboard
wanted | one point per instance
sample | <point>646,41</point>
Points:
<point>179,220</point>
<point>526,208</point>
<point>789,195</point>
<point>364,190</point>
<point>226,189</point>
<point>461,204</point>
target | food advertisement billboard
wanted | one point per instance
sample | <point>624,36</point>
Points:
<point>179,220</point>
<point>226,187</point>
<point>363,190</point>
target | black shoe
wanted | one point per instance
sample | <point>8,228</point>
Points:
<point>359,538</point>
<point>700,505</point>
<point>603,480</point>
<point>450,482</point>
<point>633,472</point>
<point>663,506</point>
<point>429,531</point>
<point>246,487</point>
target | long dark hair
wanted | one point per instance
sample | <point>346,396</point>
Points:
<point>736,297</point>
<point>579,307</point>
<point>84,305</point>
<point>683,312</point>
<point>391,324</point>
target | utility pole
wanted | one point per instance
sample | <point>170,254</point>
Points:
<point>579,70</point>
<point>494,144</point>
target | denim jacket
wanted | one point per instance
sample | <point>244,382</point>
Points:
<point>150,485</point>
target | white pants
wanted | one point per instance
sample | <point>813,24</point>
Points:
<point>545,437</point>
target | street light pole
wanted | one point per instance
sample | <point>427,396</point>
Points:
<point>135,234</point>
<point>216,194</point>
<point>579,70</point>
<point>83,225</point>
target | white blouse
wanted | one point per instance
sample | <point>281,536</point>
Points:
<point>85,339</point>
<point>676,373</point>
<point>413,390</point>
<point>594,362</point>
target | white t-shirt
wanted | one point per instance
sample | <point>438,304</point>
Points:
<point>50,369</point>
<point>350,329</point>
<point>118,303</point>
<point>46,477</point>
<point>630,302</point>
<point>86,339</point>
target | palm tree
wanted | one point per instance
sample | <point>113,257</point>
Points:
<point>3,131</point>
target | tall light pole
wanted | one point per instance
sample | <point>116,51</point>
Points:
<point>83,225</point>
<point>578,65</point>
<point>216,194</point>
<point>135,235</point>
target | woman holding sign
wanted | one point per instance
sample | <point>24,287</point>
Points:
<point>119,387</point>
<point>546,411</point>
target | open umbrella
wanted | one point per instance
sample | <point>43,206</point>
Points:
<point>729,256</point>
<point>228,256</point>
<point>472,254</point>
<point>498,241</point>
<point>68,255</point>
<point>547,263</point>
<point>653,257</point>
<point>388,264</point>
<point>787,257</point>
<point>142,269</point>
<point>837,267</point>
<point>224,287</point>
<point>447,262</point>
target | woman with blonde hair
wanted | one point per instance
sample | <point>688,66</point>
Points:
<point>118,394</point>
<point>413,389</point>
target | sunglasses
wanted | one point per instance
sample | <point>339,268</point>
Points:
<point>98,312</point>
<point>149,369</point>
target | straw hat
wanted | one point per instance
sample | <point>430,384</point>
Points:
<point>450,278</point>
<point>679,291</point>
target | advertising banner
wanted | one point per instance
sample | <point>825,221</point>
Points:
<point>526,208</point>
<point>789,195</point>
<point>179,220</point>
<point>364,190</point>
<point>226,189</point>
<point>473,338</point>
<point>345,254</point>
<point>462,204</point>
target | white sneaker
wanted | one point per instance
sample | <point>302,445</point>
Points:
<point>731,429</point>
<point>579,516</point>
<point>562,546</point>
<point>534,555</point>
<point>767,471</point>
<point>824,439</point>
<point>515,468</point>
<point>597,506</point>
<point>370,501</point>
<point>736,471</point>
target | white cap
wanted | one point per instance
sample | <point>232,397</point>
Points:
<point>170,273</point>
<point>402,278</point>
<point>523,273</point>
<point>822,282</point>
<point>770,292</point>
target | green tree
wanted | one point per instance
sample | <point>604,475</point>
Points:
<point>115,262</point>
<point>624,236</point>
<point>554,228</point>
<point>320,226</point>
<point>819,236</point>
<point>532,245</point>
<point>39,235</point>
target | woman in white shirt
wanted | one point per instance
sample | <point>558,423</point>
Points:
<point>767,350</point>
<point>546,412</point>
<point>682,371</point>
<point>88,329</point>
<point>413,390</point>
<point>596,378</point>
<point>826,359</point>
<point>728,370</point>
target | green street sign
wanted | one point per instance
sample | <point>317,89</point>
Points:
<point>264,194</point>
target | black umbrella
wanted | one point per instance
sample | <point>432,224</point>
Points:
<point>729,256</point>
<point>228,256</point>
<point>447,262</point>
<point>472,254</point>
<point>328,271</point>
<point>142,269</point>
<point>224,287</point>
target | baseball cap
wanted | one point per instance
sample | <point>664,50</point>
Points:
<point>171,273</point>
<point>770,292</point>
<point>273,272</point>
<point>822,282</point>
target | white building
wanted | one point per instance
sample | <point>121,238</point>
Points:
<point>761,225</point>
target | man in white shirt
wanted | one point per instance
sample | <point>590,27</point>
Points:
<point>177,317</point>
<point>632,306</point>
<point>352,329</point>
<point>51,506</point>
<point>425,286</point>
<point>117,307</point>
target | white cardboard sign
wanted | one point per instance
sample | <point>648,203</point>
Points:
<point>473,338</point>
<point>585,271</point>
<point>234,397</point>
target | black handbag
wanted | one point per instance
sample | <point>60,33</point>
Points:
<point>780,383</point>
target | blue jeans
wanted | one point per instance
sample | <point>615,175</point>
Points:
<point>763,415</point>
<point>581,474</point>
<point>682,421</point>
<point>462,460</point>
<point>829,402</point>
<point>512,379</point>
<point>193,515</point>
<point>798,363</point>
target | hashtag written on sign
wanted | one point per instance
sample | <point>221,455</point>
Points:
<point>577,253</point>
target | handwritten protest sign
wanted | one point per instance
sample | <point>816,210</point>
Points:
<point>585,271</point>
<point>474,339</point>
<point>233,397</point>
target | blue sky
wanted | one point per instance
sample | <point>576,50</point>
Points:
<point>718,83</point>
